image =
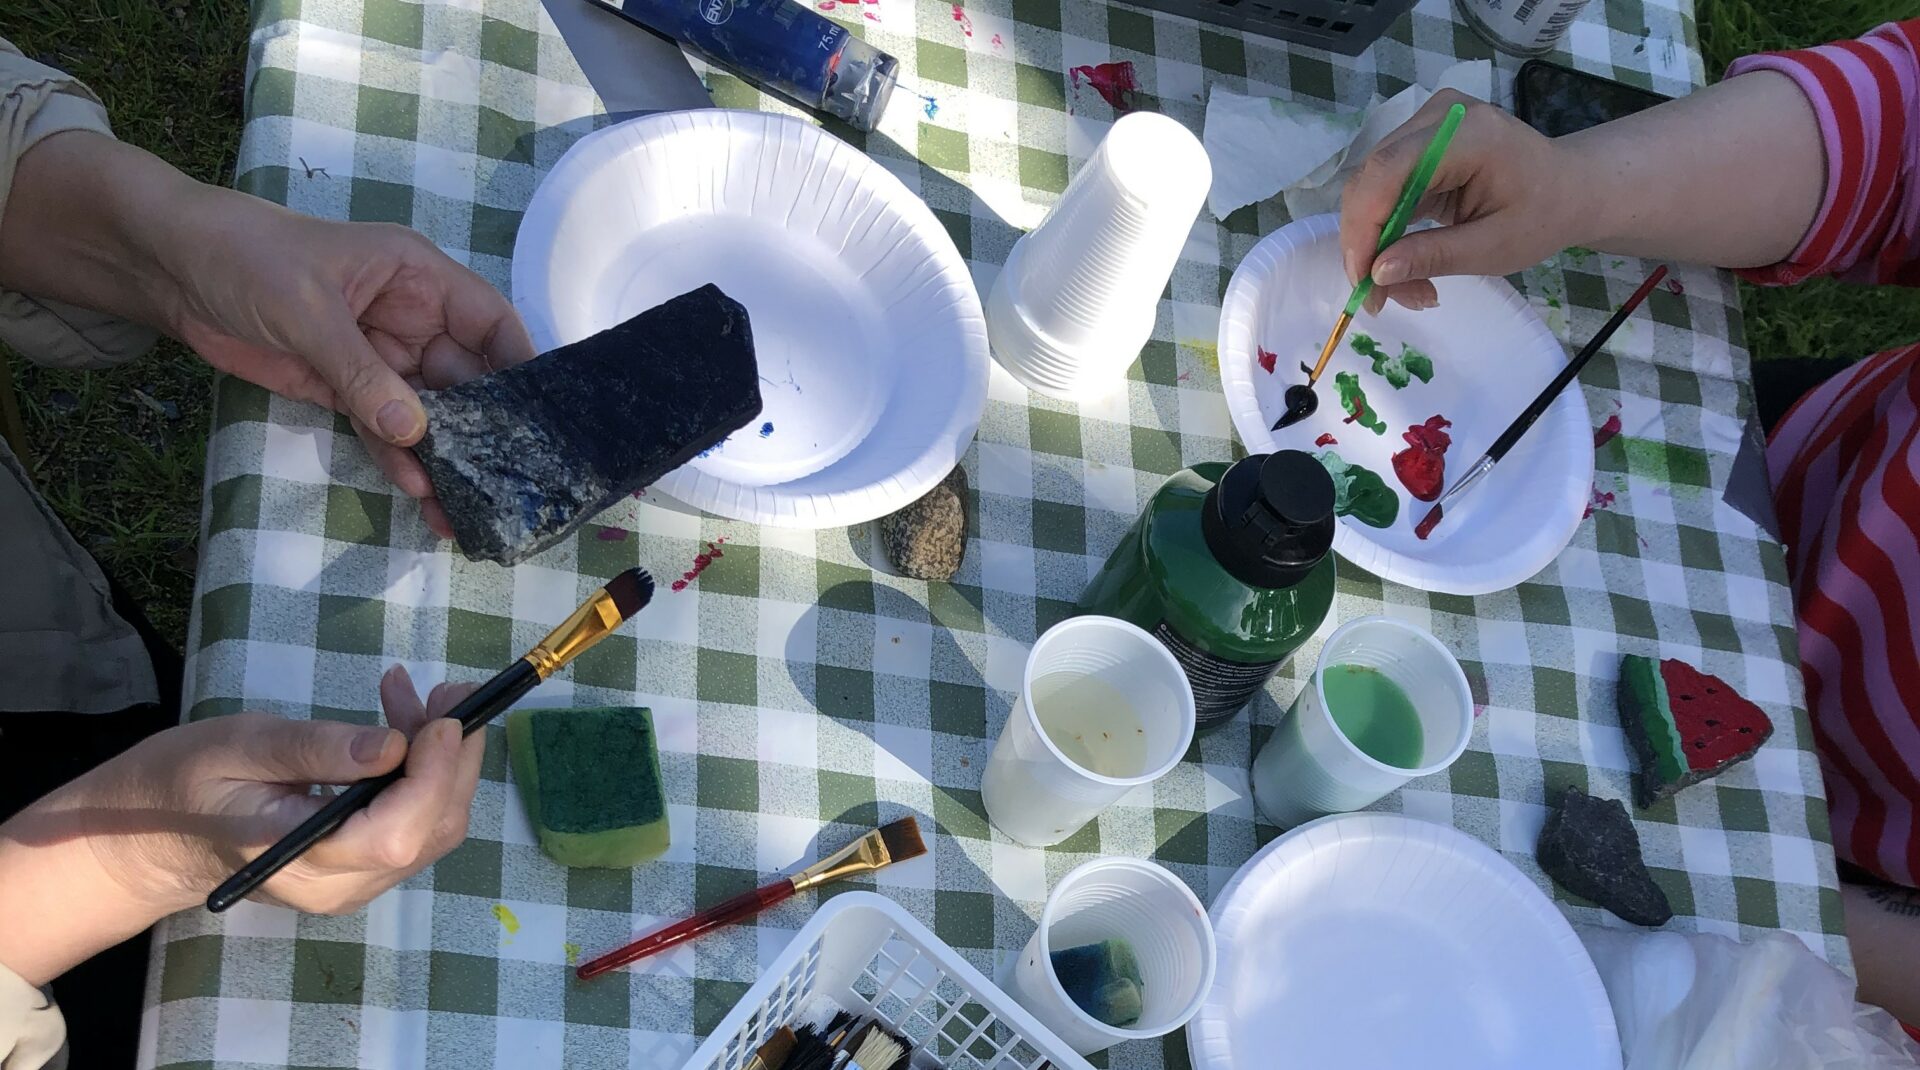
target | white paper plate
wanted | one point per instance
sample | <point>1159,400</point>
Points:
<point>1374,940</point>
<point>866,324</point>
<point>1491,355</point>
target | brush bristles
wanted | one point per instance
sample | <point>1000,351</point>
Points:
<point>902,840</point>
<point>774,1053</point>
<point>877,1050</point>
<point>631,591</point>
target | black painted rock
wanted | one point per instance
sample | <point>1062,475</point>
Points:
<point>522,457</point>
<point>927,540</point>
<point>1589,847</point>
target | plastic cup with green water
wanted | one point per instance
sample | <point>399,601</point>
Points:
<point>1386,703</point>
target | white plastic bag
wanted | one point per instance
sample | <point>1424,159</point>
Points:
<point>1700,1002</point>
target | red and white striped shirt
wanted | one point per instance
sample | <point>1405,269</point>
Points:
<point>1845,461</point>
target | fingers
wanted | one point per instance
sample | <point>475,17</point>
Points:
<point>1477,247</point>
<point>401,831</point>
<point>445,362</point>
<point>369,388</point>
<point>1370,196</point>
<point>406,473</point>
<point>401,700</point>
<point>269,749</point>
<point>480,318</point>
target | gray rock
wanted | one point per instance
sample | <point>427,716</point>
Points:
<point>928,539</point>
<point>1589,847</point>
<point>522,457</point>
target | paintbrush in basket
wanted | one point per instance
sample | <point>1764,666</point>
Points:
<point>607,609</point>
<point>1534,409</point>
<point>894,842</point>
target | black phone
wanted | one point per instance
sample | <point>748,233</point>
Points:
<point>1558,100</point>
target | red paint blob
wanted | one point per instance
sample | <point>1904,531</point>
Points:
<point>1602,499</point>
<point>1425,527</point>
<point>1605,432</point>
<point>1115,82</point>
<point>1359,409</point>
<point>1326,439</point>
<point>996,42</point>
<point>611,534</point>
<point>700,563</point>
<point>1673,286</point>
<point>960,16</point>
<point>1266,357</point>
<point>1422,466</point>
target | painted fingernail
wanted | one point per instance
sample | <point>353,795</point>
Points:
<point>369,744</point>
<point>397,421</point>
<point>1385,273</point>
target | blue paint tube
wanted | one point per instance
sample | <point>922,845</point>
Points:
<point>778,45</point>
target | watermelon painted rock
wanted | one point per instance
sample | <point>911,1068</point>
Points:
<point>1589,847</point>
<point>1684,725</point>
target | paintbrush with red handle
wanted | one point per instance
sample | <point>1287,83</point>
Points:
<point>1532,412</point>
<point>896,841</point>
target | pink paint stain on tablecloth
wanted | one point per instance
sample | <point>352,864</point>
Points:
<point>1602,499</point>
<point>700,563</point>
<point>611,534</point>
<point>1605,432</point>
<point>997,46</point>
<point>1115,82</point>
<point>851,5</point>
<point>1674,286</point>
<point>966,24</point>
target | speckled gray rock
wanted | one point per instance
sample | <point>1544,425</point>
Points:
<point>1589,847</point>
<point>928,539</point>
<point>522,457</point>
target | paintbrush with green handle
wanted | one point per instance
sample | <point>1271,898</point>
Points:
<point>1300,398</point>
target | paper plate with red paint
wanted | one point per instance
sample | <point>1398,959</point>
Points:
<point>866,324</point>
<point>1408,402</point>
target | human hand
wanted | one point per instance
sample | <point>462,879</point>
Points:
<point>353,316</point>
<point>223,789</point>
<point>1508,195</point>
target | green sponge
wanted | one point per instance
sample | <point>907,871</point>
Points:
<point>591,782</point>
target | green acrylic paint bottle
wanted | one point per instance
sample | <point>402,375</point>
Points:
<point>1229,567</point>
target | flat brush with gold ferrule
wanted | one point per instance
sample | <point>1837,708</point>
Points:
<point>622,597</point>
<point>893,842</point>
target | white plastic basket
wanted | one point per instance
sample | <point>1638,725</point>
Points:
<point>864,953</point>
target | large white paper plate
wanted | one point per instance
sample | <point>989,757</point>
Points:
<point>866,324</point>
<point>1491,355</point>
<point>1374,940</point>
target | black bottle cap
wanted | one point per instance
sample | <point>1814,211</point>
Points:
<point>1269,520</point>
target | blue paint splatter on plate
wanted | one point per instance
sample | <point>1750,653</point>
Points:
<point>766,429</point>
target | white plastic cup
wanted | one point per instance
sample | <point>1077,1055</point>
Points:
<point>1150,908</point>
<point>1036,794</point>
<point>1309,768</point>
<point>1076,299</point>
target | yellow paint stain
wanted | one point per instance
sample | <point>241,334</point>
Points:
<point>573,953</point>
<point>1207,351</point>
<point>504,915</point>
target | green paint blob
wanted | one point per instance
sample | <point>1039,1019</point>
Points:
<point>1399,371</point>
<point>1664,462</point>
<point>1579,254</point>
<point>1354,401</point>
<point>1373,713</point>
<point>573,952</point>
<point>504,915</point>
<point>1360,492</point>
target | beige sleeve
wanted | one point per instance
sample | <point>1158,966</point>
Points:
<point>33,1036</point>
<point>36,102</point>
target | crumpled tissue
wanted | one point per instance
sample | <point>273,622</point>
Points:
<point>1260,146</point>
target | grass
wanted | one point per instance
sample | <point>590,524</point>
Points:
<point>1821,318</point>
<point>120,453</point>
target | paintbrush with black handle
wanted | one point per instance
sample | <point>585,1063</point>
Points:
<point>610,606</point>
<point>1521,424</point>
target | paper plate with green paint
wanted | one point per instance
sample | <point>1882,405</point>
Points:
<point>1409,401</point>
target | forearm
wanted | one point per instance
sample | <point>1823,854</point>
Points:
<point>60,904</point>
<point>1731,175</point>
<point>98,223</point>
<point>1883,926</point>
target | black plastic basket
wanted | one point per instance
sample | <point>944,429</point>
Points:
<point>1344,26</point>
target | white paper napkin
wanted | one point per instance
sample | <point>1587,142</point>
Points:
<point>1260,146</point>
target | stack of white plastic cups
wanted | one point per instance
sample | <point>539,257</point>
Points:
<point>1076,300</point>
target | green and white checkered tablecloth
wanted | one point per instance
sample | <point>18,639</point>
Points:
<point>792,684</point>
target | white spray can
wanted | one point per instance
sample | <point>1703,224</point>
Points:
<point>1522,27</point>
